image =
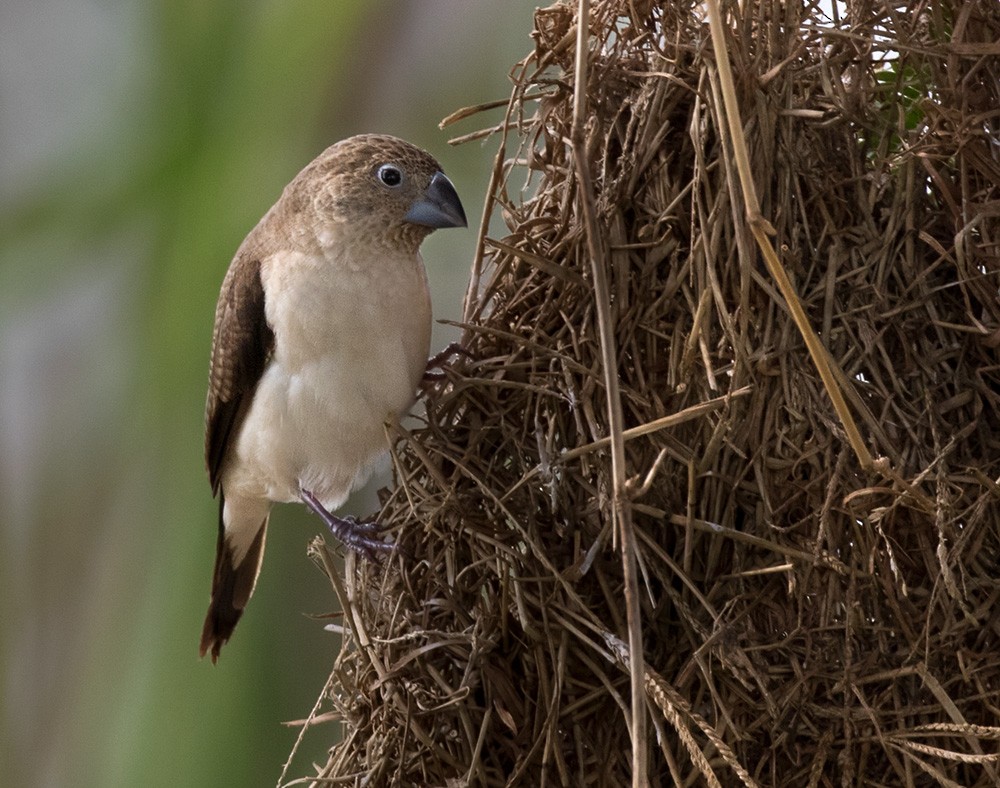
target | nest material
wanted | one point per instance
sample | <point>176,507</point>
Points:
<point>806,621</point>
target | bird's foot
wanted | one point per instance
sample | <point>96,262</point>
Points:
<point>438,360</point>
<point>359,537</point>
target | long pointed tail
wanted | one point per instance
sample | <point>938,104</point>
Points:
<point>232,585</point>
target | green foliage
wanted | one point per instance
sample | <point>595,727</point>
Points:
<point>900,107</point>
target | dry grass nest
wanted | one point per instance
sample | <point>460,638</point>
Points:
<point>808,617</point>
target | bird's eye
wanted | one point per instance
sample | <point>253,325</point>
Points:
<point>390,175</point>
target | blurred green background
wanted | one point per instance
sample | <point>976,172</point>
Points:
<point>139,142</point>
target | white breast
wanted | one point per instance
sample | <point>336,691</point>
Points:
<point>351,344</point>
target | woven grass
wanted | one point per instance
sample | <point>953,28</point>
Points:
<point>808,617</point>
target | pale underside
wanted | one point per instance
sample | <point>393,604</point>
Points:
<point>351,345</point>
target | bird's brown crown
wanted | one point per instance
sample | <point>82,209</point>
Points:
<point>369,182</point>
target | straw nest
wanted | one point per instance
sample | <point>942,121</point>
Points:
<point>809,615</point>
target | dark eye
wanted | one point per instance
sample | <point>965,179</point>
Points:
<point>390,175</point>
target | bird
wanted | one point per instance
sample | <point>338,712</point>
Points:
<point>321,337</point>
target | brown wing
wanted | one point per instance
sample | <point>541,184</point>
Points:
<point>242,343</point>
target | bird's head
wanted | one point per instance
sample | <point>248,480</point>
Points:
<point>377,187</point>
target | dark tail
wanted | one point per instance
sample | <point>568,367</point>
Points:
<point>231,588</point>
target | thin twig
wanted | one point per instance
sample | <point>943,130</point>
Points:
<point>761,229</point>
<point>622,511</point>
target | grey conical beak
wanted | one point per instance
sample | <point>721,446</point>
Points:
<point>439,206</point>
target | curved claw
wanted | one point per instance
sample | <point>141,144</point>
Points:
<point>440,359</point>
<point>358,537</point>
